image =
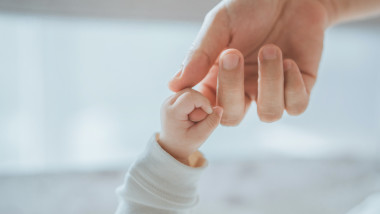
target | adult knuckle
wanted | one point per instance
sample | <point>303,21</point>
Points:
<point>211,14</point>
<point>217,14</point>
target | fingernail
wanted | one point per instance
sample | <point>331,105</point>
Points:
<point>230,61</point>
<point>269,53</point>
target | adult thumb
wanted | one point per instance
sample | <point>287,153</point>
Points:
<point>211,40</point>
<point>205,127</point>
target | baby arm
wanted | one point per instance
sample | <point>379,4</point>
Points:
<point>164,177</point>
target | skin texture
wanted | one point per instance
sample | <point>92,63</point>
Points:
<point>348,10</point>
<point>180,136</point>
<point>289,32</point>
<point>267,51</point>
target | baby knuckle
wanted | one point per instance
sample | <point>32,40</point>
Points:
<point>167,111</point>
<point>188,96</point>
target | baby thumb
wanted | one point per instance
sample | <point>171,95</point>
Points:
<point>205,127</point>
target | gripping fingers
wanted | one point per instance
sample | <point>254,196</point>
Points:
<point>204,128</point>
<point>188,101</point>
<point>208,88</point>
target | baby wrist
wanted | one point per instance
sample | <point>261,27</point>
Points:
<point>193,159</point>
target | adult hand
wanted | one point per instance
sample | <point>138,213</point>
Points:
<point>280,45</point>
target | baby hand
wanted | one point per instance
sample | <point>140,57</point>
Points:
<point>181,137</point>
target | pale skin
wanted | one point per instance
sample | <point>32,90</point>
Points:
<point>267,51</point>
<point>180,136</point>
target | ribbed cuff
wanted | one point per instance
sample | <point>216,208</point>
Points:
<point>159,180</point>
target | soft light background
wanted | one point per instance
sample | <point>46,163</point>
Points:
<point>83,94</point>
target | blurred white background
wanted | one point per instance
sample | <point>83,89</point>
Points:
<point>87,92</point>
<point>82,89</point>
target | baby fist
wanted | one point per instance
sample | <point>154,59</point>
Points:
<point>180,136</point>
